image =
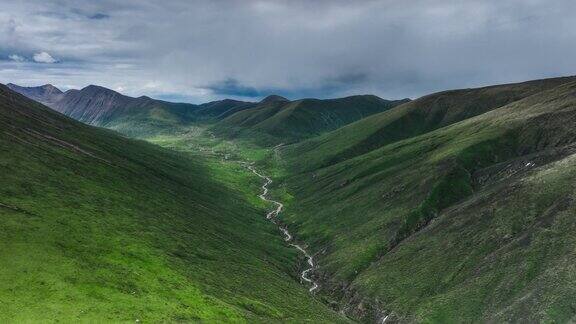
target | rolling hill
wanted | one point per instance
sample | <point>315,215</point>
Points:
<point>412,119</point>
<point>463,217</point>
<point>277,120</point>
<point>96,227</point>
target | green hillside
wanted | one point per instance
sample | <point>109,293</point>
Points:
<point>100,106</point>
<point>273,120</point>
<point>282,121</point>
<point>218,110</point>
<point>413,118</point>
<point>98,228</point>
<point>136,117</point>
<point>455,207</point>
<point>470,222</point>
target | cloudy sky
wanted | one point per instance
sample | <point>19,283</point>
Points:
<point>196,51</point>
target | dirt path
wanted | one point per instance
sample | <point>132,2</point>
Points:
<point>272,216</point>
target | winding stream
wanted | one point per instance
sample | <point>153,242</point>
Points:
<point>272,216</point>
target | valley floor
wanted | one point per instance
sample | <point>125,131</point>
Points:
<point>405,288</point>
<point>243,158</point>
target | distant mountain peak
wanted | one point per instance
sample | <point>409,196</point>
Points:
<point>273,98</point>
<point>95,90</point>
<point>93,87</point>
<point>44,88</point>
<point>46,94</point>
<point>51,88</point>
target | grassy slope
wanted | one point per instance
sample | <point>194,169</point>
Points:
<point>411,119</point>
<point>283,121</point>
<point>96,227</point>
<point>221,109</point>
<point>498,245</point>
<point>158,117</point>
<point>136,117</point>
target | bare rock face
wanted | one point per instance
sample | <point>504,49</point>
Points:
<point>99,106</point>
<point>46,94</point>
<point>93,104</point>
<point>96,105</point>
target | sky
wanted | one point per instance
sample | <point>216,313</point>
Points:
<point>198,51</point>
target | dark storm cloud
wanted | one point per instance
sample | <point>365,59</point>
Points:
<point>204,50</point>
<point>232,87</point>
<point>328,87</point>
<point>99,16</point>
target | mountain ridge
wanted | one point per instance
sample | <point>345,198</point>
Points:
<point>46,94</point>
<point>280,121</point>
<point>272,118</point>
<point>273,98</point>
<point>416,117</point>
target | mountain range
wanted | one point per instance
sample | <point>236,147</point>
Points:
<point>454,207</point>
<point>274,117</point>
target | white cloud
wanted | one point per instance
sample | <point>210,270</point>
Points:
<point>208,50</point>
<point>17,58</point>
<point>44,57</point>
